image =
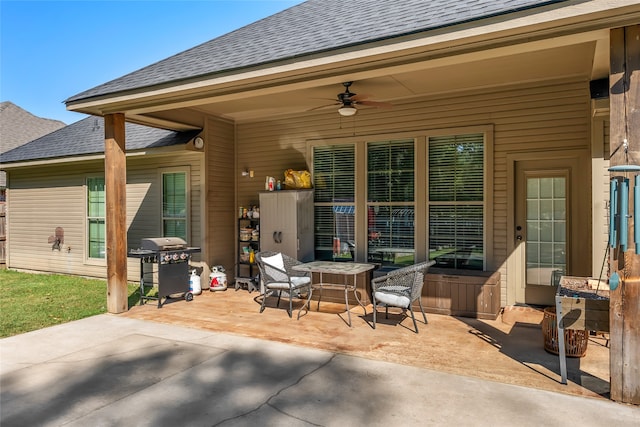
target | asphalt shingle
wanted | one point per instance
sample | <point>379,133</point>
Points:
<point>312,27</point>
<point>18,126</point>
<point>86,137</point>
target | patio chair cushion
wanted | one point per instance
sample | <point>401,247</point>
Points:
<point>278,271</point>
<point>392,298</point>
<point>275,261</point>
<point>296,282</point>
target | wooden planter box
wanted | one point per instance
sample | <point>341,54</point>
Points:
<point>462,293</point>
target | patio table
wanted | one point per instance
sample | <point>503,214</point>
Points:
<point>343,269</point>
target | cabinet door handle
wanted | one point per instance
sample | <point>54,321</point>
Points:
<point>279,236</point>
<point>275,236</point>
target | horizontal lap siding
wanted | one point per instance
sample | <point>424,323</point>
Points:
<point>144,198</point>
<point>221,204</point>
<point>542,117</point>
<point>44,198</point>
<point>41,199</point>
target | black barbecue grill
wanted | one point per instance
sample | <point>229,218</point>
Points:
<point>172,256</point>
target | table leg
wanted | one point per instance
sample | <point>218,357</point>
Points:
<point>346,296</point>
<point>355,292</point>
<point>308,302</point>
<point>319,296</point>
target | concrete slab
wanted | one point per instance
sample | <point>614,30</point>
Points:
<point>111,370</point>
<point>508,349</point>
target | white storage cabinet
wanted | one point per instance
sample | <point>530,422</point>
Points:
<point>286,223</point>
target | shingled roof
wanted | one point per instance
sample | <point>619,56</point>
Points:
<point>312,27</point>
<point>86,137</point>
<point>18,126</point>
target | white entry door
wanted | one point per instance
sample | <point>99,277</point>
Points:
<point>542,232</point>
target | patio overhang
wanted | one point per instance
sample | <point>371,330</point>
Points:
<point>559,41</point>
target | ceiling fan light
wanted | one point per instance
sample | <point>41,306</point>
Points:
<point>347,110</point>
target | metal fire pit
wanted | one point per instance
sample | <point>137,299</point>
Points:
<point>172,256</point>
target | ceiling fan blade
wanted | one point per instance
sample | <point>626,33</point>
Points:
<point>324,106</point>
<point>361,97</point>
<point>376,104</point>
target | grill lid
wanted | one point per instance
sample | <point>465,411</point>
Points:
<point>163,244</point>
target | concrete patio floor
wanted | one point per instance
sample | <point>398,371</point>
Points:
<point>507,350</point>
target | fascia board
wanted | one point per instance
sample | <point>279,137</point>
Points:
<point>147,152</point>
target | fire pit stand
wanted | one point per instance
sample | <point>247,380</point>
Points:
<point>172,256</point>
<point>579,307</point>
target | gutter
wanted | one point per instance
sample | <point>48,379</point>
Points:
<point>154,152</point>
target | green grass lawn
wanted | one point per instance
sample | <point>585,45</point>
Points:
<point>34,301</point>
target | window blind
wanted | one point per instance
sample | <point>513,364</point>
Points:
<point>390,202</point>
<point>96,205</point>
<point>174,204</point>
<point>456,201</point>
<point>334,192</point>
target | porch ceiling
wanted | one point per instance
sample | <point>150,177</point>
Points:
<point>583,56</point>
<point>561,62</point>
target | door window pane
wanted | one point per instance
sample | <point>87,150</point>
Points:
<point>546,229</point>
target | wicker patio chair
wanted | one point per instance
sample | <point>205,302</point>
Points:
<point>277,275</point>
<point>400,288</point>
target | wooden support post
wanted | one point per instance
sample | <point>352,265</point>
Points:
<point>624,305</point>
<point>115,166</point>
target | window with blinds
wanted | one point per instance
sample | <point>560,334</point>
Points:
<point>96,215</point>
<point>456,201</point>
<point>174,205</point>
<point>334,192</point>
<point>391,202</point>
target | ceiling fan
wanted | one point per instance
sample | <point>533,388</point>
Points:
<point>348,100</point>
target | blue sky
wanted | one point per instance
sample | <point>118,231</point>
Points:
<point>51,50</point>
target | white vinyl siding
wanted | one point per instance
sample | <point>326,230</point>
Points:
<point>61,193</point>
<point>219,238</point>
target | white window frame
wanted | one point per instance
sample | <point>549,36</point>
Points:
<point>87,257</point>
<point>421,206</point>
<point>176,170</point>
<point>337,205</point>
<point>391,204</point>
<point>487,212</point>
